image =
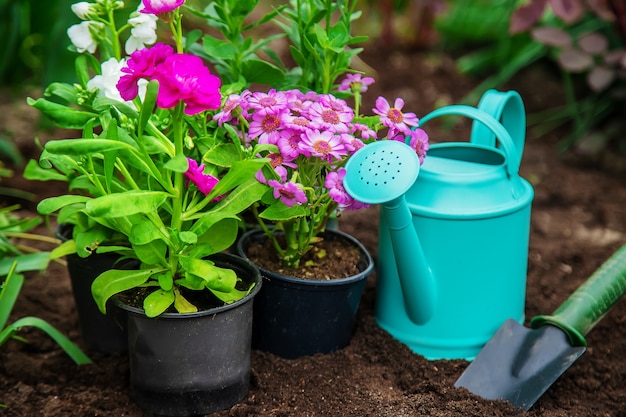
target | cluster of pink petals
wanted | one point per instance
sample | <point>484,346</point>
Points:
<point>355,82</point>
<point>160,6</point>
<point>196,175</point>
<point>307,127</point>
<point>181,77</point>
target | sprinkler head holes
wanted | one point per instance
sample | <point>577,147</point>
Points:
<point>381,171</point>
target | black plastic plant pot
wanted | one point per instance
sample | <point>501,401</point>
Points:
<point>100,333</point>
<point>295,317</point>
<point>197,363</point>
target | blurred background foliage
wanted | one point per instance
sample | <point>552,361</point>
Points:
<point>476,32</point>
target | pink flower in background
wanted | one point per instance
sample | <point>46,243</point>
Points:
<point>160,6</point>
<point>355,82</point>
<point>141,64</point>
<point>393,118</point>
<point>195,174</point>
<point>185,78</point>
<point>289,193</point>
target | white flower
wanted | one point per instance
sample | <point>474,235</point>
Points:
<point>143,32</point>
<point>107,82</point>
<point>81,35</point>
<point>81,9</point>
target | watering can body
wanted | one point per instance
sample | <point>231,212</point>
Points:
<point>471,211</point>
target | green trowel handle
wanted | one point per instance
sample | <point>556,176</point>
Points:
<point>595,297</point>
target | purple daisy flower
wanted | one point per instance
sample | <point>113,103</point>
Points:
<point>325,145</point>
<point>289,193</point>
<point>392,117</point>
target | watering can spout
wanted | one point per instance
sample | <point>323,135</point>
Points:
<point>381,173</point>
<point>416,278</point>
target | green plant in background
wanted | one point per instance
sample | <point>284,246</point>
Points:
<point>587,40</point>
<point>16,258</point>
<point>318,33</point>
<point>483,27</point>
<point>32,34</point>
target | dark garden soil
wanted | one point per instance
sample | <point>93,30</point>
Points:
<point>578,221</point>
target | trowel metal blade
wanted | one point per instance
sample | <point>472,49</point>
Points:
<point>519,364</point>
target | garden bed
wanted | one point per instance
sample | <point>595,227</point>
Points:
<point>578,221</point>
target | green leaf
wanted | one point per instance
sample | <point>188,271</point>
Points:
<point>157,302</point>
<point>126,203</point>
<point>188,238</point>
<point>88,240</point>
<point>152,253</point>
<point>149,103</point>
<point>73,351</point>
<point>178,164</point>
<point>192,37</point>
<point>115,281</point>
<point>240,172</point>
<point>229,296</point>
<point>166,280</point>
<point>218,238</point>
<point>280,211</point>
<point>182,305</point>
<point>52,204</point>
<point>62,90</point>
<point>222,155</point>
<point>9,290</point>
<point>34,172</point>
<point>66,248</point>
<point>218,48</point>
<point>242,197</point>
<point>216,278</point>
<point>143,232</point>
<point>262,72</point>
<point>63,116</point>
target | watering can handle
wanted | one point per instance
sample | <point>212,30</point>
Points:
<point>508,109</point>
<point>513,158</point>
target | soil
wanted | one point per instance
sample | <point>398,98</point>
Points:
<point>578,221</point>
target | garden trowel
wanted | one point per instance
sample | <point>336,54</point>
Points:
<point>519,364</point>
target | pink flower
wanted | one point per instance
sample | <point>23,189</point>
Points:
<point>334,184</point>
<point>332,114</point>
<point>419,142</point>
<point>325,145</point>
<point>289,193</point>
<point>185,78</point>
<point>271,102</point>
<point>289,143</point>
<point>160,6</point>
<point>366,132</point>
<point>234,104</point>
<point>141,64</point>
<point>279,163</point>
<point>392,117</point>
<point>266,127</point>
<point>351,143</point>
<point>195,174</point>
<point>355,82</point>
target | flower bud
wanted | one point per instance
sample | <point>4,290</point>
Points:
<point>83,10</point>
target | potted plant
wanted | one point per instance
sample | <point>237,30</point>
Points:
<point>308,131</point>
<point>156,182</point>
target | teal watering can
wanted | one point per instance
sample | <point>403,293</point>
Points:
<point>453,237</point>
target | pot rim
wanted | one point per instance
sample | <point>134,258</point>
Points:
<point>215,310</point>
<point>369,268</point>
